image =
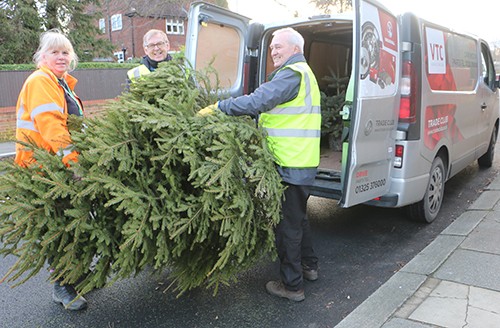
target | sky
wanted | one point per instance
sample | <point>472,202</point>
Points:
<point>479,17</point>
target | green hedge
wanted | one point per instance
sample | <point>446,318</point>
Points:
<point>29,67</point>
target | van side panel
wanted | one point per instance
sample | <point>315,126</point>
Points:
<point>488,93</point>
<point>451,110</point>
<point>457,106</point>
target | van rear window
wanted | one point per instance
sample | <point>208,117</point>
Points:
<point>219,46</point>
<point>451,61</point>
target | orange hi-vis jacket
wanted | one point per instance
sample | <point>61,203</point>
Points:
<point>42,114</point>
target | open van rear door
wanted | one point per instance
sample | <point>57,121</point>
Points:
<point>216,37</point>
<point>374,112</point>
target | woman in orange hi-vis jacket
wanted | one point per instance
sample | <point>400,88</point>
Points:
<point>45,101</point>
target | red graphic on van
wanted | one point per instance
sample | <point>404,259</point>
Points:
<point>436,52</point>
<point>389,30</point>
<point>445,82</point>
<point>361,174</point>
<point>377,61</point>
<point>440,123</point>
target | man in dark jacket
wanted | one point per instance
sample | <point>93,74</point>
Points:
<point>156,47</point>
<point>288,108</point>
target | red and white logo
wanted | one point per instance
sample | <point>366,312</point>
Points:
<point>436,51</point>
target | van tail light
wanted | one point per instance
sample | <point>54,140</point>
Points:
<point>398,156</point>
<point>407,105</point>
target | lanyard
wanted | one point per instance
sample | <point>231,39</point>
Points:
<point>70,93</point>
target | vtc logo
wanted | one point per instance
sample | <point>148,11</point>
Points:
<point>389,29</point>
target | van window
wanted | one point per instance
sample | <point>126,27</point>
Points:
<point>227,42</point>
<point>487,68</point>
<point>452,62</point>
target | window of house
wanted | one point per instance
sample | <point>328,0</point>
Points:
<point>102,25</point>
<point>175,26</point>
<point>116,22</point>
<point>120,58</point>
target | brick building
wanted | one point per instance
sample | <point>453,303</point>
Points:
<point>124,23</point>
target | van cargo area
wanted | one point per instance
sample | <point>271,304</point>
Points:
<point>328,51</point>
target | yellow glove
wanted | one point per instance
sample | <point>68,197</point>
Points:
<point>209,110</point>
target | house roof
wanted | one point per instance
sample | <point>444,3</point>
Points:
<point>155,8</point>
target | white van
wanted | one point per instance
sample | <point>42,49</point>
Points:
<point>424,103</point>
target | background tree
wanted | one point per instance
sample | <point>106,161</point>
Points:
<point>339,6</point>
<point>72,17</point>
<point>21,27</point>
<point>158,8</point>
<point>24,20</point>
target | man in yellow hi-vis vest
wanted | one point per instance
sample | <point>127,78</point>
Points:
<point>288,108</point>
<point>156,47</point>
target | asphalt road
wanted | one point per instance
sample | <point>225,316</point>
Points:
<point>359,249</point>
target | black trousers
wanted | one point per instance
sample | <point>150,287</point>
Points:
<point>293,238</point>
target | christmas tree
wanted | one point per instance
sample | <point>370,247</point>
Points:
<point>156,186</point>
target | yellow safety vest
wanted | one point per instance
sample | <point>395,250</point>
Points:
<point>294,128</point>
<point>138,72</point>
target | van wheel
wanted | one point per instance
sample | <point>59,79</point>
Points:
<point>428,208</point>
<point>487,159</point>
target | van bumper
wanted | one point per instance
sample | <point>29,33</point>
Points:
<point>388,200</point>
<point>403,192</point>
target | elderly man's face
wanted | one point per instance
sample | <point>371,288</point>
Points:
<point>282,49</point>
<point>157,48</point>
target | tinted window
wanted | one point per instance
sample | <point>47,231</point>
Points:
<point>487,68</point>
<point>451,61</point>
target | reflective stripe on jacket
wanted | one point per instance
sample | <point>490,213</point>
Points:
<point>41,116</point>
<point>137,72</point>
<point>294,127</point>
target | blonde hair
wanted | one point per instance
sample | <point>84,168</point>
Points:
<point>54,39</point>
<point>152,33</point>
<point>294,37</point>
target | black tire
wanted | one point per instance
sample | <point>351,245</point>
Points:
<point>486,160</point>
<point>428,208</point>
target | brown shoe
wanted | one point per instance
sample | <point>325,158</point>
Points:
<point>276,288</point>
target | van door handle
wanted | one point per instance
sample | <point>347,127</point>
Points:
<point>483,106</point>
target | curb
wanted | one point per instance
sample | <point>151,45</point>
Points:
<point>379,307</point>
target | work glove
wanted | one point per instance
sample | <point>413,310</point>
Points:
<point>209,110</point>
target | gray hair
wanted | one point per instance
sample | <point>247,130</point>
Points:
<point>294,37</point>
<point>151,33</point>
<point>54,39</point>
